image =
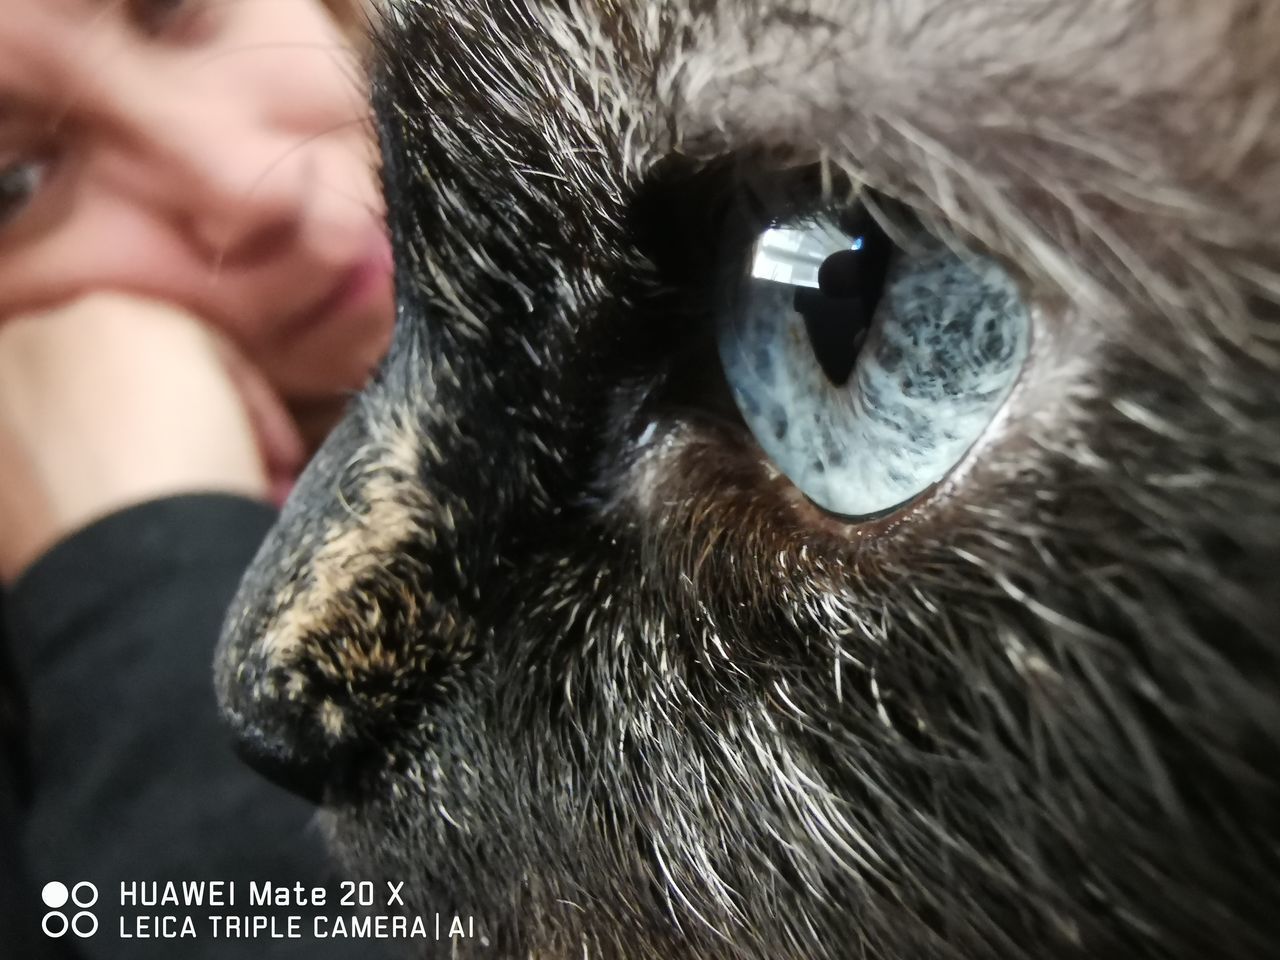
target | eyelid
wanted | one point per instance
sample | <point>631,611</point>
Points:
<point>153,17</point>
<point>174,21</point>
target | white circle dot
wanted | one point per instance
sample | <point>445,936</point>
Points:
<point>75,924</point>
<point>47,927</point>
<point>54,894</point>
<point>90,900</point>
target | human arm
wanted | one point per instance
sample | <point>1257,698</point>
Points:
<point>133,493</point>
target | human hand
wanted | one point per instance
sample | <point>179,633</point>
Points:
<point>112,400</point>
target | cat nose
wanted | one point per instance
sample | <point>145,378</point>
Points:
<point>274,731</point>
<point>237,217</point>
<point>295,770</point>
<point>342,637</point>
<point>281,726</point>
<point>313,666</point>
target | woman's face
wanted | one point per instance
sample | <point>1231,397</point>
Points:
<point>211,153</point>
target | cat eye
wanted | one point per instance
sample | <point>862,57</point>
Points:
<point>865,369</point>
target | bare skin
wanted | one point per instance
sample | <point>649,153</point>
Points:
<point>187,296</point>
<point>90,423</point>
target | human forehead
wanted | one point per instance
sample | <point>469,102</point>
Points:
<point>20,15</point>
<point>52,50</point>
<point>39,39</point>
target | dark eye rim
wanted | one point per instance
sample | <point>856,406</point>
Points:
<point>880,515</point>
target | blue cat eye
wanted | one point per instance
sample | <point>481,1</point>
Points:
<point>866,371</point>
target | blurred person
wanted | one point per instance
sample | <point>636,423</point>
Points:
<point>194,277</point>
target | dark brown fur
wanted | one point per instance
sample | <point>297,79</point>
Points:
<point>622,692</point>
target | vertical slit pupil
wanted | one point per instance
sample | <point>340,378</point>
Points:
<point>839,313</point>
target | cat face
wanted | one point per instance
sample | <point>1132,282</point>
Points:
<point>568,634</point>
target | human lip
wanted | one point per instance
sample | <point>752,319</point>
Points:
<point>357,285</point>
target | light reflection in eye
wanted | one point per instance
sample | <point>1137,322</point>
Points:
<point>794,254</point>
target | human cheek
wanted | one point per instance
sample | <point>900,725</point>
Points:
<point>104,246</point>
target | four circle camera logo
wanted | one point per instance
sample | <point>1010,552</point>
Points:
<point>55,895</point>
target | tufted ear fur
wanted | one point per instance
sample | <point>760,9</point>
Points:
<point>564,651</point>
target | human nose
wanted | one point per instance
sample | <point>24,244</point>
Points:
<point>238,193</point>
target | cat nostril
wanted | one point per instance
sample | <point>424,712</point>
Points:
<point>308,776</point>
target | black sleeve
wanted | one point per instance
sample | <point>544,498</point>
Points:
<point>133,776</point>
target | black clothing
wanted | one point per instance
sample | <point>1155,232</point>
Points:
<point>123,772</point>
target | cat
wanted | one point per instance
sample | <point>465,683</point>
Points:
<point>556,637</point>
